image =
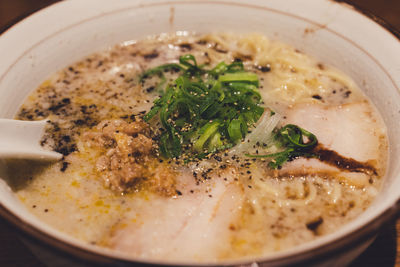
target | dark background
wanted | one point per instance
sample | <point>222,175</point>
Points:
<point>383,252</point>
<point>387,9</point>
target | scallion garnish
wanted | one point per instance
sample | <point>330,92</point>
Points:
<point>208,110</point>
<point>290,139</point>
<point>204,110</point>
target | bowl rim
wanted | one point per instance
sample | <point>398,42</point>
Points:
<point>363,233</point>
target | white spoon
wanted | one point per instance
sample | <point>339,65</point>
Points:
<point>21,139</point>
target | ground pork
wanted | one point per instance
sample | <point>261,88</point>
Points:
<point>128,160</point>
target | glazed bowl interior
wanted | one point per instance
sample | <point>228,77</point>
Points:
<point>331,32</point>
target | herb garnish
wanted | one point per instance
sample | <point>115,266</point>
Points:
<point>290,138</point>
<point>208,110</point>
<point>204,111</point>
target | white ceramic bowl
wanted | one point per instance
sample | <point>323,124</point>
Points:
<point>334,33</point>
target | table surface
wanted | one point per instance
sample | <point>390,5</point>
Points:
<point>385,250</point>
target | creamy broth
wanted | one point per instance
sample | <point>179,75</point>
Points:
<point>226,206</point>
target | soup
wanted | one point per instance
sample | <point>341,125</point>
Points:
<point>202,148</point>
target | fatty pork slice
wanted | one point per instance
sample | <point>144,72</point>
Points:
<point>192,226</point>
<point>352,130</point>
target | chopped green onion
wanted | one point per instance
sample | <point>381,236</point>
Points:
<point>207,131</point>
<point>239,77</point>
<point>290,138</point>
<point>222,102</point>
<point>234,130</point>
<point>205,111</point>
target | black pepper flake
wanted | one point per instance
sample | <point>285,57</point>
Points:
<point>56,128</point>
<point>313,225</point>
<point>174,70</point>
<point>150,89</point>
<point>219,50</point>
<point>321,66</point>
<point>40,114</point>
<point>218,158</point>
<point>66,149</point>
<point>56,107</point>
<point>347,94</point>
<point>46,210</point>
<point>33,206</point>
<point>79,122</point>
<point>178,192</point>
<point>266,68</point>
<point>64,166</point>
<point>317,97</point>
<point>185,47</point>
<point>151,55</point>
<point>66,138</point>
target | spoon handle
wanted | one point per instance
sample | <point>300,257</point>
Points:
<point>21,139</point>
